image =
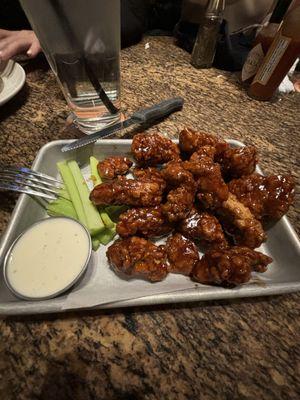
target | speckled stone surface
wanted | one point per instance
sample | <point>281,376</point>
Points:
<point>245,349</point>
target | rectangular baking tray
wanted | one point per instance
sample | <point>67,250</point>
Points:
<point>282,245</point>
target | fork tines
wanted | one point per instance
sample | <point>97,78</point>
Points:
<point>30,172</point>
<point>26,190</point>
<point>24,180</point>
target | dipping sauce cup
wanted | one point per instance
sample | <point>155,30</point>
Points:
<point>47,259</point>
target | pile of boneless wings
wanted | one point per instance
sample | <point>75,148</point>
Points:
<point>201,194</point>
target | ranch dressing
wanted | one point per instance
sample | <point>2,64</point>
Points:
<point>48,257</point>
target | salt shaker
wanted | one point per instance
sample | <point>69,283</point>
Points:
<point>205,45</point>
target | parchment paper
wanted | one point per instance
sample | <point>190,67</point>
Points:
<point>101,285</point>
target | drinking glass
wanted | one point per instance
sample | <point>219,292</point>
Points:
<point>81,40</point>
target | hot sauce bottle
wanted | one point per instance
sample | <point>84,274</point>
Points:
<point>263,41</point>
<point>281,55</point>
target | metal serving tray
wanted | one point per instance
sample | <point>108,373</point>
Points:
<point>282,245</point>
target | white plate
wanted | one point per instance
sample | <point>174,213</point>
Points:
<point>12,84</point>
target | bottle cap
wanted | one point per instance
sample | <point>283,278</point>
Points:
<point>215,8</point>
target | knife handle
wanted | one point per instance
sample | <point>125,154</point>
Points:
<point>158,111</point>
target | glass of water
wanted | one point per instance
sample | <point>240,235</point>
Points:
<point>81,40</point>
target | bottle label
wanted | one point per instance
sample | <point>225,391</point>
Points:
<point>273,57</point>
<point>253,62</point>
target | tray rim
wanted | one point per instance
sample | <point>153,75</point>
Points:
<point>164,298</point>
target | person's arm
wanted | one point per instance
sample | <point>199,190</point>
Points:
<point>13,43</point>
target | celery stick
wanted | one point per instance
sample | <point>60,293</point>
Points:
<point>106,236</point>
<point>106,220</point>
<point>64,194</point>
<point>97,181</point>
<point>94,171</point>
<point>94,222</point>
<point>72,190</point>
<point>61,208</point>
<point>95,244</point>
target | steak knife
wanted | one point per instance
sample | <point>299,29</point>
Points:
<point>148,115</point>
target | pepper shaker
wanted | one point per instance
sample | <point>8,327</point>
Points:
<point>205,45</point>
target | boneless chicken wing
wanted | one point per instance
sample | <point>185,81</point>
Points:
<point>237,162</point>
<point>147,221</point>
<point>204,151</point>
<point>267,197</point>
<point>211,188</point>
<point>182,254</point>
<point>113,166</point>
<point>152,149</point>
<point>151,174</point>
<point>190,141</point>
<point>229,267</point>
<point>175,175</point>
<point>204,228</point>
<point>179,202</point>
<point>240,223</point>
<point>134,192</point>
<point>136,257</point>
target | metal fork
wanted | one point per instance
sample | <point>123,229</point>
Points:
<point>24,180</point>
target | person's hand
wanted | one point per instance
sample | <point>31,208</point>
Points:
<point>13,43</point>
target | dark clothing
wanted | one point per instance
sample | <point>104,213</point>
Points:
<point>12,17</point>
<point>133,21</point>
<point>163,16</point>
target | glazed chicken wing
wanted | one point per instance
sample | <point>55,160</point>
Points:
<point>179,202</point>
<point>203,228</point>
<point>229,267</point>
<point>152,149</point>
<point>211,188</point>
<point>182,254</point>
<point>267,197</point>
<point>113,166</point>
<point>240,223</point>
<point>138,258</point>
<point>237,162</point>
<point>148,222</point>
<point>150,173</point>
<point>134,192</point>
<point>204,151</point>
<point>176,175</point>
<point>190,141</point>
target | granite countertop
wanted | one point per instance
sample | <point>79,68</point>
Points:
<point>242,349</point>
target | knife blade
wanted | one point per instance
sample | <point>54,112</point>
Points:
<point>146,115</point>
